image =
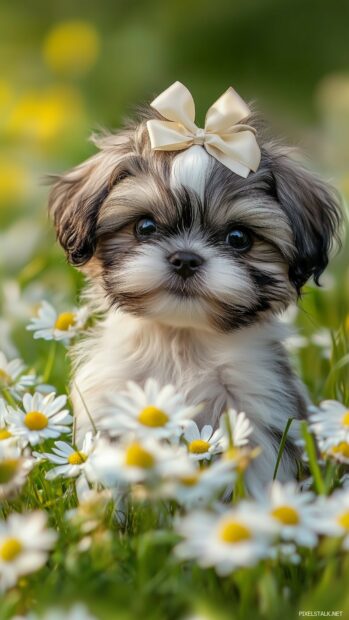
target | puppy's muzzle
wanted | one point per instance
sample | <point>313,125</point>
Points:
<point>185,264</point>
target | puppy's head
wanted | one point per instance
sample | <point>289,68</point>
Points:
<point>179,238</point>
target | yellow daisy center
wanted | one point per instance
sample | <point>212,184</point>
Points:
<point>232,454</point>
<point>4,434</point>
<point>137,456</point>
<point>198,446</point>
<point>8,469</point>
<point>345,419</point>
<point>343,520</point>
<point>36,420</point>
<point>10,548</point>
<point>342,448</point>
<point>240,457</point>
<point>65,321</point>
<point>152,416</point>
<point>234,532</point>
<point>5,379</point>
<point>286,515</point>
<point>189,481</point>
<point>77,458</point>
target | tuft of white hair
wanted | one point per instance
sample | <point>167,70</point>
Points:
<point>190,169</point>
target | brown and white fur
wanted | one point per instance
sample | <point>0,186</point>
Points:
<point>214,335</point>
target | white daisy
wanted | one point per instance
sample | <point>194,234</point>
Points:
<point>19,303</point>
<point>50,325</point>
<point>5,434</point>
<point>152,411</point>
<point>201,486</point>
<point>14,468</point>
<point>236,538</point>
<point>9,371</point>
<point>236,429</point>
<point>338,452</point>
<point>292,511</point>
<point>330,423</point>
<point>24,545</point>
<point>43,418</point>
<point>134,461</point>
<point>332,516</point>
<point>70,461</point>
<point>242,457</point>
<point>12,376</point>
<point>202,444</point>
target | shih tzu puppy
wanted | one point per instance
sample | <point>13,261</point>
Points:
<point>194,241</point>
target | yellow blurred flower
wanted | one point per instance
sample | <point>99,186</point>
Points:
<point>43,116</point>
<point>333,93</point>
<point>71,47</point>
<point>13,181</point>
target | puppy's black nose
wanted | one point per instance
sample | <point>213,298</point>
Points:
<point>185,263</point>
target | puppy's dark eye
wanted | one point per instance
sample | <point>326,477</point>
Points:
<point>145,227</point>
<point>239,239</point>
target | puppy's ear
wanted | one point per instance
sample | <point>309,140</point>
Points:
<point>313,210</point>
<point>76,197</point>
<point>74,203</point>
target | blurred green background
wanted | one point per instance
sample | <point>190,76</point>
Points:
<point>70,67</point>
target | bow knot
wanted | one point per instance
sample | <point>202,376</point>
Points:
<point>224,136</point>
<point>199,137</point>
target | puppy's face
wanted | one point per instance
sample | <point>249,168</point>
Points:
<point>186,242</point>
<point>180,239</point>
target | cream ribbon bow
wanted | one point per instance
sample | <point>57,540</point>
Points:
<point>224,136</point>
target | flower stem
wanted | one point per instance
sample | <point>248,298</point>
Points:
<point>239,489</point>
<point>50,362</point>
<point>282,446</point>
<point>86,409</point>
<point>313,463</point>
<point>9,398</point>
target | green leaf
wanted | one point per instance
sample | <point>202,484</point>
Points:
<point>282,446</point>
<point>313,463</point>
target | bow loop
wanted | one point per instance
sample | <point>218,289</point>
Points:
<point>226,112</point>
<point>168,136</point>
<point>224,137</point>
<point>177,104</point>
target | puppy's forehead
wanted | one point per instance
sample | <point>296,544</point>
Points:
<point>191,188</point>
<point>197,171</point>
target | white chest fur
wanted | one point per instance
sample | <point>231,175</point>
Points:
<point>247,370</point>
